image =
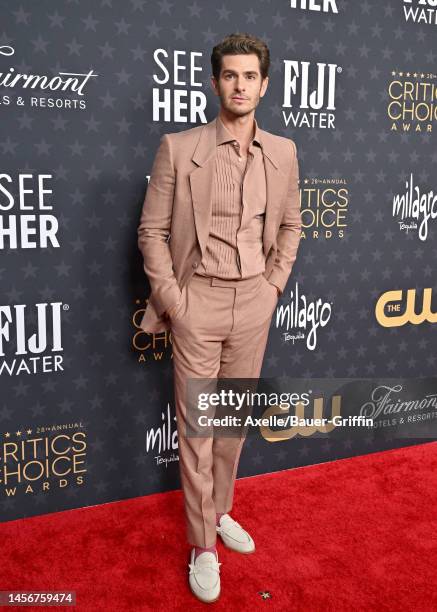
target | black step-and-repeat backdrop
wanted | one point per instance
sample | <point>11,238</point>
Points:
<point>86,91</point>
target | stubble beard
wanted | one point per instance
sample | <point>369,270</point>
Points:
<point>235,109</point>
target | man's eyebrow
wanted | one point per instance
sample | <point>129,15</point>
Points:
<point>245,72</point>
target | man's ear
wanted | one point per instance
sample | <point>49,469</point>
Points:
<point>214,84</point>
<point>264,85</point>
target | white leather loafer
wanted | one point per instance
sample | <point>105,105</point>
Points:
<point>234,536</point>
<point>204,576</point>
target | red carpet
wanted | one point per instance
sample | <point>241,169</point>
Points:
<point>355,534</point>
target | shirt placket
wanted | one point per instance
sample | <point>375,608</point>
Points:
<point>248,162</point>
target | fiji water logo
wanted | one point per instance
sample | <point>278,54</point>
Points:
<point>421,11</point>
<point>31,338</point>
<point>309,91</point>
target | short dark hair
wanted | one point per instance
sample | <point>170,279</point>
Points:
<point>240,43</point>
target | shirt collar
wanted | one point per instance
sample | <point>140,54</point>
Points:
<point>224,135</point>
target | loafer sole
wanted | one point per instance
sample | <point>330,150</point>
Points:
<point>204,600</point>
<point>243,552</point>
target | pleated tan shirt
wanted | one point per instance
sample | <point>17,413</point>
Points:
<point>234,247</point>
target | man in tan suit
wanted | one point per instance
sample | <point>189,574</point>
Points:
<point>219,233</point>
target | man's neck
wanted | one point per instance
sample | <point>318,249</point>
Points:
<point>242,128</point>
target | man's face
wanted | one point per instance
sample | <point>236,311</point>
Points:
<point>240,85</point>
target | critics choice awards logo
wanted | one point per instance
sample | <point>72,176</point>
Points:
<point>412,101</point>
<point>37,461</point>
<point>324,206</point>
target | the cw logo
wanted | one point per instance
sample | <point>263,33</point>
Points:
<point>303,430</point>
<point>389,299</point>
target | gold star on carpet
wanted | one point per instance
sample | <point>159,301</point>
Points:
<point>265,594</point>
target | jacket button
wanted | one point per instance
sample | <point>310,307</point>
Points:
<point>195,264</point>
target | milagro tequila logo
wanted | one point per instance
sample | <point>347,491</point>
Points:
<point>325,6</point>
<point>25,222</point>
<point>70,82</point>
<point>416,207</point>
<point>309,90</point>
<point>163,440</point>
<point>421,11</point>
<point>35,351</point>
<point>302,318</point>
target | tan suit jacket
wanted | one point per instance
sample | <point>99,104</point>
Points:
<point>175,218</point>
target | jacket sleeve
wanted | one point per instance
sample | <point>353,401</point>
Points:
<point>289,232</point>
<point>154,230</point>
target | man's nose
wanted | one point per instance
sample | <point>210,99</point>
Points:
<point>239,84</point>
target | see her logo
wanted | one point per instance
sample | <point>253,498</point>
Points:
<point>315,5</point>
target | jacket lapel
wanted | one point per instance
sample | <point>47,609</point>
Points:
<point>201,179</point>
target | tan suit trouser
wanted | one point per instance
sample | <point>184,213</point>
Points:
<point>220,330</point>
